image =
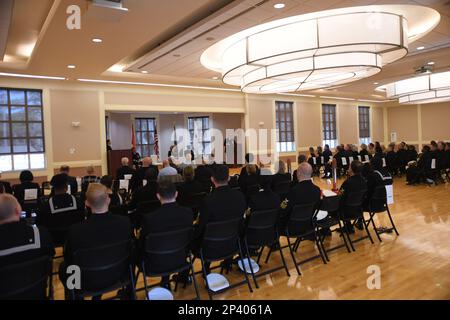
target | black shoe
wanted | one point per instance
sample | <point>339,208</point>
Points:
<point>326,232</point>
<point>359,224</point>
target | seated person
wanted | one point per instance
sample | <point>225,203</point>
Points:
<point>116,199</point>
<point>5,186</point>
<point>124,170</point>
<point>61,211</point>
<point>280,177</point>
<point>26,182</point>
<point>373,180</point>
<point>139,176</point>
<point>341,157</point>
<point>169,217</point>
<point>249,159</point>
<point>250,184</point>
<point>101,229</point>
<point>354,151</point>
<point>222,204</point>
<point>265,199</point>
<point>20,242</point>
<point>167,170</point>
<point>402,158</point>
<point>412,153</point>
<point>146,193</point>
<point>417,173</point>
<point>203,175</point>
<point>89,178</point>
<point>300,159</point>
<point>363,152</point>
<point>189,187</point>
<point>371,150</point>
<point>354,183</point>
<point>391,159</point>
<point>71,181</point>
<point>327,154</point>
<point>304,192</point>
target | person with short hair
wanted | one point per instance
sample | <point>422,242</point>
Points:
<point>89,178</point>
<point>71,181</point>
<point>147,192</point>
<point>101,229</point>
<point>26,182</point>
<point>19,241</point>
<point>300,159</point>
<point>167,170</point>
<point>190,186</point>
<point>116,199</point>
<point>251,180</point>
<point>125,169</point>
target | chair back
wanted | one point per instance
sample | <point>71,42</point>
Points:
<point>330,204</point>
<point>58,224</point>
<point>193,201</point>
<point>104,268</point>
<point>353,205</point>
<point>301,220</point>
<point>220,240</point>
<point>252,190</point>
<point>165,253</point>
<point>261,227</point>
<point>148,206</point>
<point>378,200</point>
<point>26,280</point>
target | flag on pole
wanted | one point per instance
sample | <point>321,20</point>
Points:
<point>156,146</point>
<point>133,137</point>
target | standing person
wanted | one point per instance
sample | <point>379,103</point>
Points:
<point>124,170</point>
<point>327,154</point>
<point>136,158</point>
<point>108,145</point>
<point>71,181</point>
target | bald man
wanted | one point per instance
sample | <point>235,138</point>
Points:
<point>167,170</point>
<point>125,169</point>
<point>304,192</point>
<point>20,242</point>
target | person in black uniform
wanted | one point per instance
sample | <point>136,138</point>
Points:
<point>249,159</point>
<point>61,211</point>
<point>20,242</point>
<point>222,204</point>
<point>148,192</point>
<point>71,181</point>
<point>447,155</point>
<point>5,187</point>
<point>363,152</point>
<point>391,159</point>
<point>327,154</point>
<point>379,160</point>
<point>108,145</point>
<point>402,158</point>
<point>203,175</point>
<point>300,159</point>
<point>416,174</point>
<point>116,199</point>
<point>304,192</point>
<point>169,217</point>
<point>354,183</point>
<point>265,199</point>
<point>373,180</point>
<point>340,155</point>
<point>189,187</point>
<point>101,229</point>
<point>412,153</point>
<point>136,157</point>
<point>26,182</point>
<point>124,170</point>
<point>250,184</point>
<point>279,178</point>
<point>139,176</point>
<point>89,178</point>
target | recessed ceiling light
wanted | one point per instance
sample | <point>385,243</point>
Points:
<point>420,48</point>
<point>375,83</point>
<point>431,63</point>
<point>97,40</point>
<point>215,78</point>
<point>144,72</point>
<point>279,5</point>
<point>71,66</point>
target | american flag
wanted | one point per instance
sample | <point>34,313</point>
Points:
<point>156,147</point>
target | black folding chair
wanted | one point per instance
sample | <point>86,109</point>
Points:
<point>351,210</point>
<point>167,253</point>
<point>193,201</point>
<point>144,208</point>
<point>104,269</point>
<point>378,204</point>
<point>302,226</point>
<point>220,242</point>
<point>262,231</point>
<point>29,280</point>
<point>331,206</point>
<point>252,190</point>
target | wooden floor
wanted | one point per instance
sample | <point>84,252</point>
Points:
<point>415,265</point>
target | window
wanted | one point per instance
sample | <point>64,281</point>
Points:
<point>145,136</point>
<point>364,124</point>
<point>21,130</point>
<point>200,135</point>
<point>329,125</point>
<point>285,126</point>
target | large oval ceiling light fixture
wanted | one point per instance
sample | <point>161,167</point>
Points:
<point>429,88</point>
<point>320,49</point>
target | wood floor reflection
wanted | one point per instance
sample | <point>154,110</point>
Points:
<point>415,265</point>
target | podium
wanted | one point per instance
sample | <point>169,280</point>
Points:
<point>114,160</point>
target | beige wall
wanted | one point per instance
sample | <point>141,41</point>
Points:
<point>403,121</point>
<point>435,121</point>
<point>377,124</point>
<point>348,123</point>
<point>120,130</point>
<point>309,124</point>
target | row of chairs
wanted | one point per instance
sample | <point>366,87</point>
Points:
<point>168,253</point>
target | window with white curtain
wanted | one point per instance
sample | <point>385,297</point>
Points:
<point>22,144</point>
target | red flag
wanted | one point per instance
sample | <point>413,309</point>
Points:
<point>133,137</point>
